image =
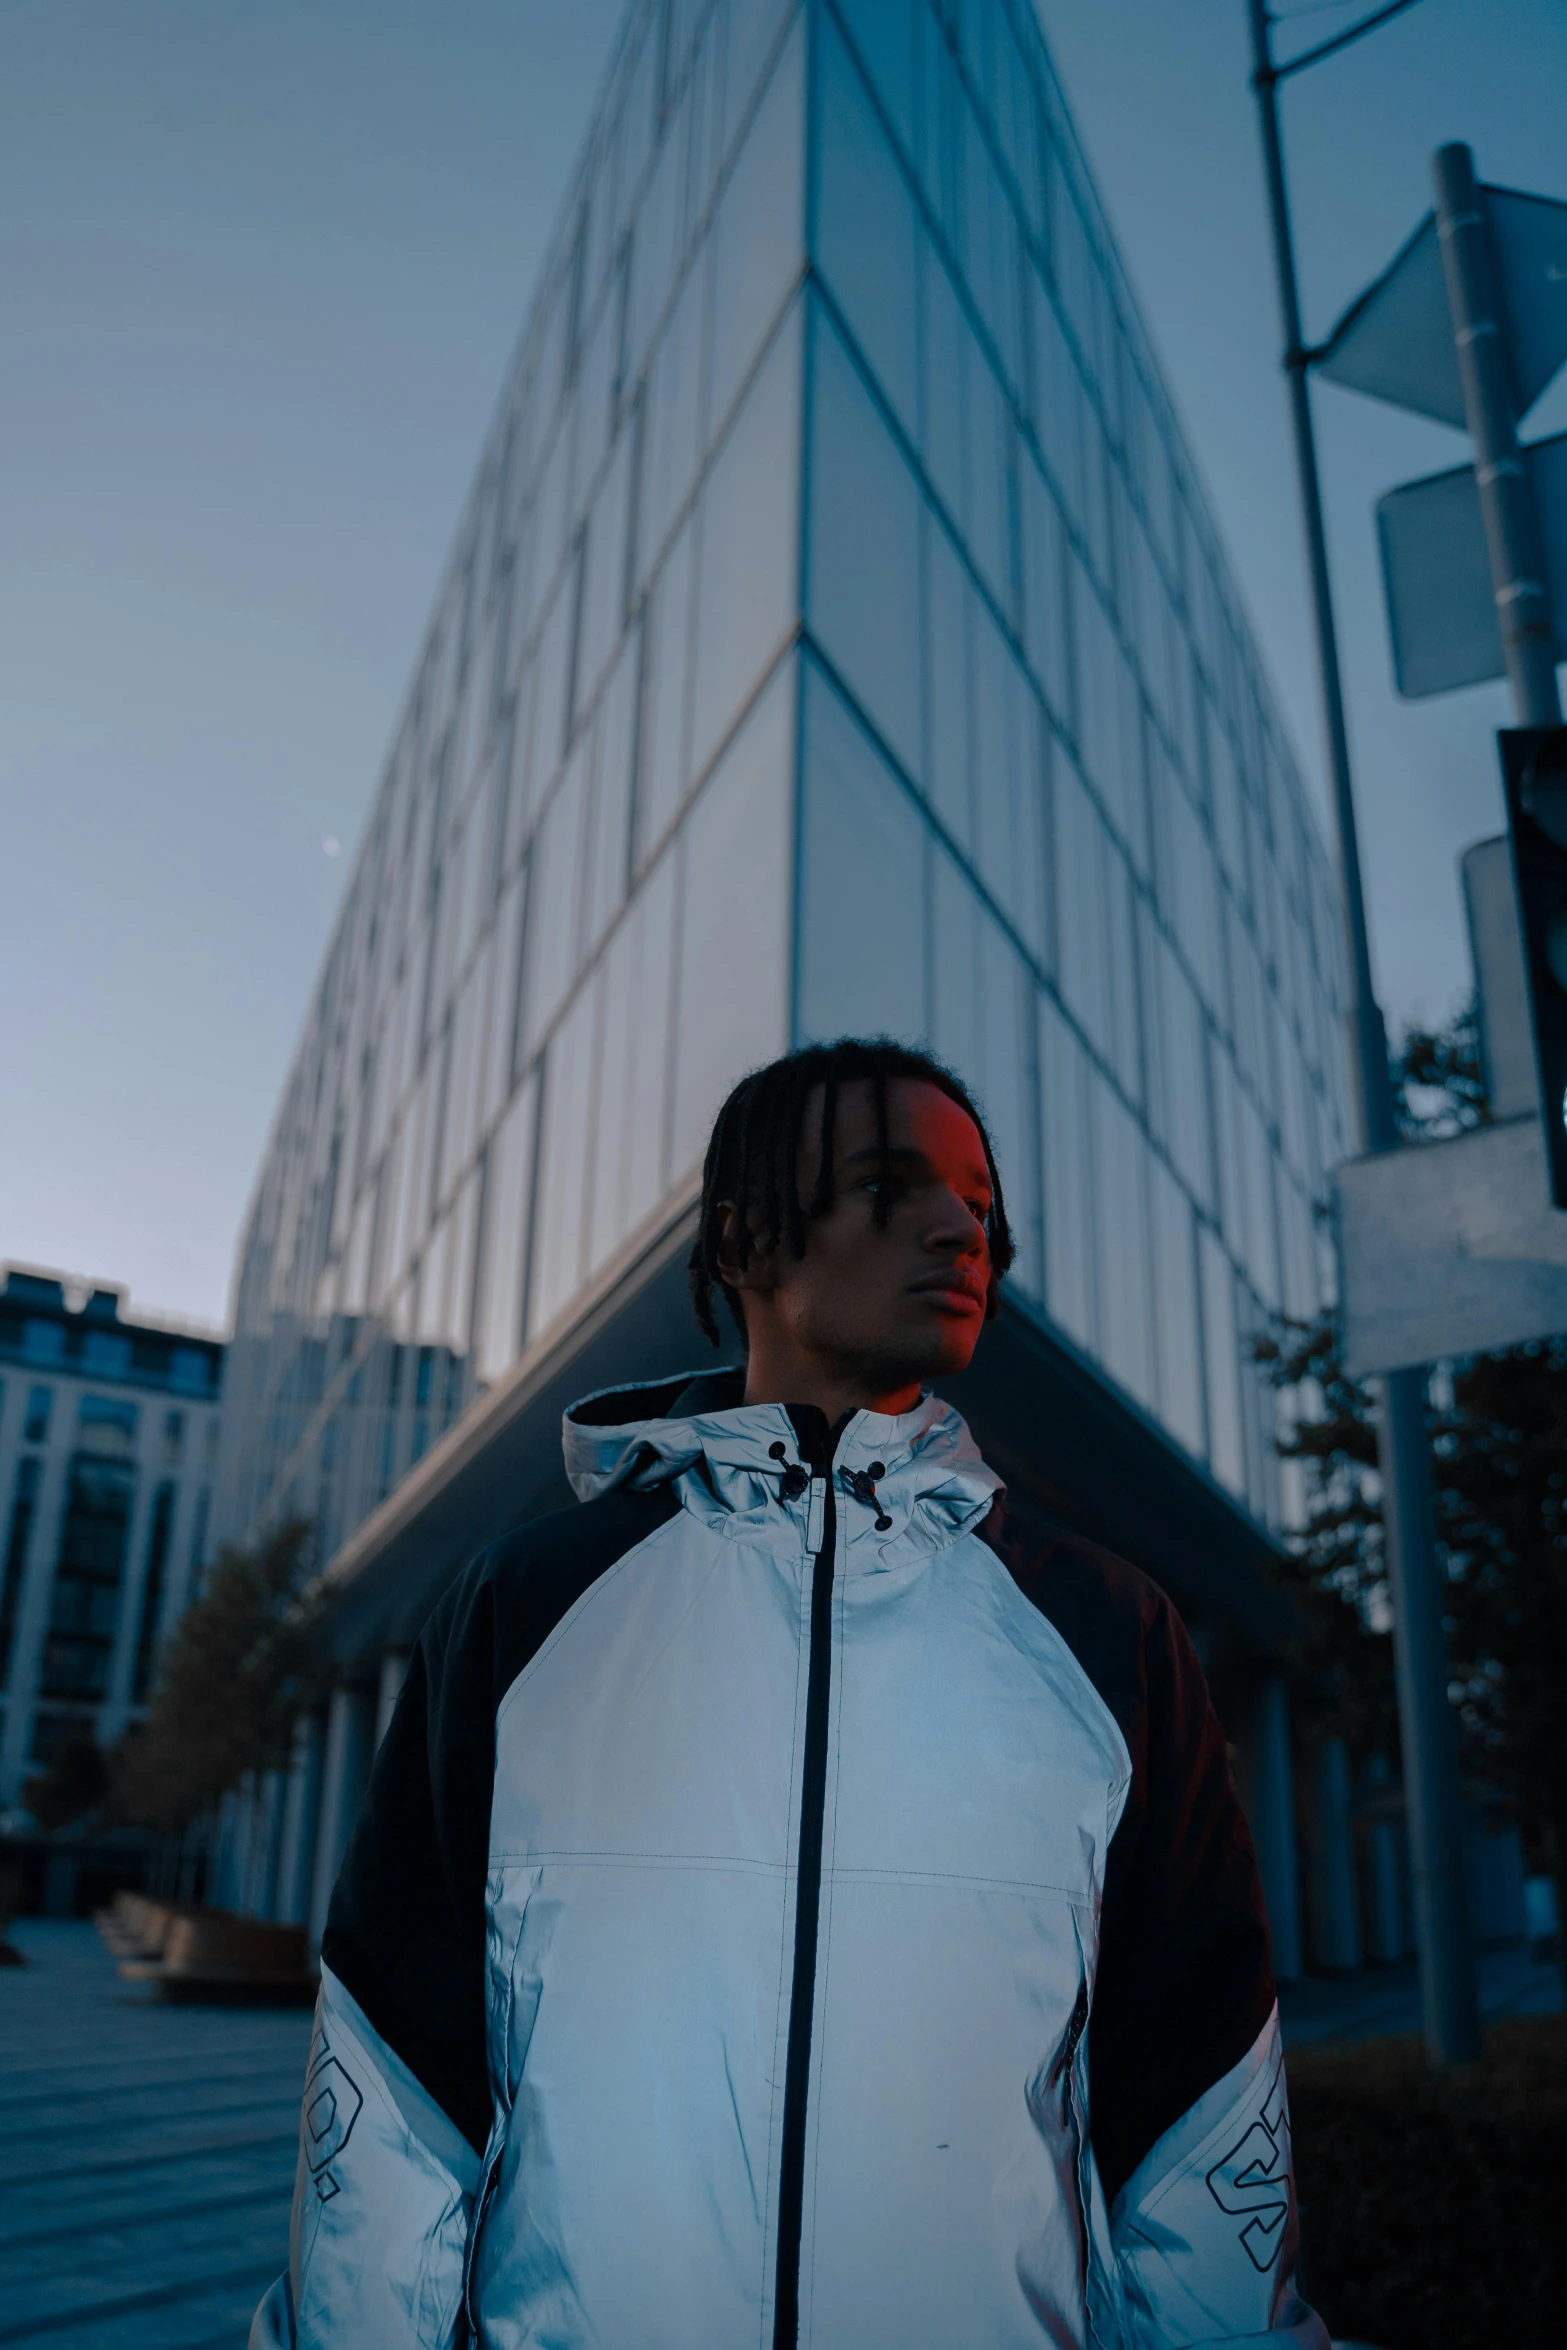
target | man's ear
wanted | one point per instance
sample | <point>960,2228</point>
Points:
<point>760,1270</point>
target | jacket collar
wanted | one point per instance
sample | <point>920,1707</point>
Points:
<point>920,1472</point>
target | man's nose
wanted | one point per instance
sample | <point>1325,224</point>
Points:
<point>955,1226</point>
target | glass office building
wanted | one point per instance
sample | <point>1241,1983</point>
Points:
<point>836,639</point>
<point>108,1442</point>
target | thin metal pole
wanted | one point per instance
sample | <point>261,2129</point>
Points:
<point>1373,1093</point>
<point>1433,1808</point>
<point>1512,530</point>
<point>1451,2010</point>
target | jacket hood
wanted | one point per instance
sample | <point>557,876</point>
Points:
<point>909,1482</point>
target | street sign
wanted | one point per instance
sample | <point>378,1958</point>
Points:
<point>1396,341</point>
<point>1449,1248</point>
<point>1436,572</point>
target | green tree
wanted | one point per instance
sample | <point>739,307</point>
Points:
<point>231,1679</point>
<point>1337,1561</point>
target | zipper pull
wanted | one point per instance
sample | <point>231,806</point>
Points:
<point>816,1516</point>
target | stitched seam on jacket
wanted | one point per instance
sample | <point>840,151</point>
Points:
<point>652,1860</point>
<point>775,1868</point>
<point>1071,1893</point>
<point>1120,1784</point>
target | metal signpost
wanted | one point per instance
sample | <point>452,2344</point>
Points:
<point>1469,325</point>
<point>1457,1250</point>
<point>1452,2017</point>
<point>1485,365</point>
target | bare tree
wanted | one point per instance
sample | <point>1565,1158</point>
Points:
<point>231,1679</point>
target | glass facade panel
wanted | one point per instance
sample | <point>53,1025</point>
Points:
<point>667,696</point>
<point>1043,557</point>
<point>863,535</point>
<point>883,40</point>
<point>947,685</point>
<point>761,228</point>
<point>675,416</point>
<point>613,769</point>
<point>1009,792</point>
<point>604,576</point>
<point>1081,850</point>
<point>1226,1443</point>
<point>746,598</point>
<point>754,28</point>
<point>1069,1205</point>
<point>732,985</point>
<point>1121,1174</point>
<point>867,232</point>
<point>560,1225</point>
<point>628,1154</point>
<point>863,852</point>
<point>1177,1325</point>
<point>555,901</point>
<point>1037,807</point>
<point>503,1258</point>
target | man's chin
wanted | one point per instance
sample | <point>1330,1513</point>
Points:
<point>949,1347</point>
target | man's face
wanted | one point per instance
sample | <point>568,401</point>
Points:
<point>886,1307</point>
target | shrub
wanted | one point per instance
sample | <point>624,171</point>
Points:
<point>1432,2201</point>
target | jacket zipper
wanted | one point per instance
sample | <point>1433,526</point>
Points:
<point>822,1523</point>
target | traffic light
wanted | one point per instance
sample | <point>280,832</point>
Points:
<point>1534,776</point>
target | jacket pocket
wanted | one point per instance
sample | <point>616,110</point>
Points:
<point>507,1895</point>
<point>1053,2265</point>
<point>1066,2078</point>
<point>489,2181</point>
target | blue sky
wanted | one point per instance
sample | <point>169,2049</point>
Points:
<point>261,271</point>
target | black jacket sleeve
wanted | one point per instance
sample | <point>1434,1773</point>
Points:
<point>1185,1979</point>
<point>405,1934</point>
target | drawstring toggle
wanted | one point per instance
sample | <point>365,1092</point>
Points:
<point>794,1479</point>
<point>862,1484</point>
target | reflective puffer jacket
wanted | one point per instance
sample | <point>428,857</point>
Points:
<point>786,1912</point>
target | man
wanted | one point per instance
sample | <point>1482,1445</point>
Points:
<point>775,1918</point>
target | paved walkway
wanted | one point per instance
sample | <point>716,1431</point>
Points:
<point>146,2154</point>
<point>1387,1999</point>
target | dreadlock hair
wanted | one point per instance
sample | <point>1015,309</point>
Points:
<point>753,1158</point>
